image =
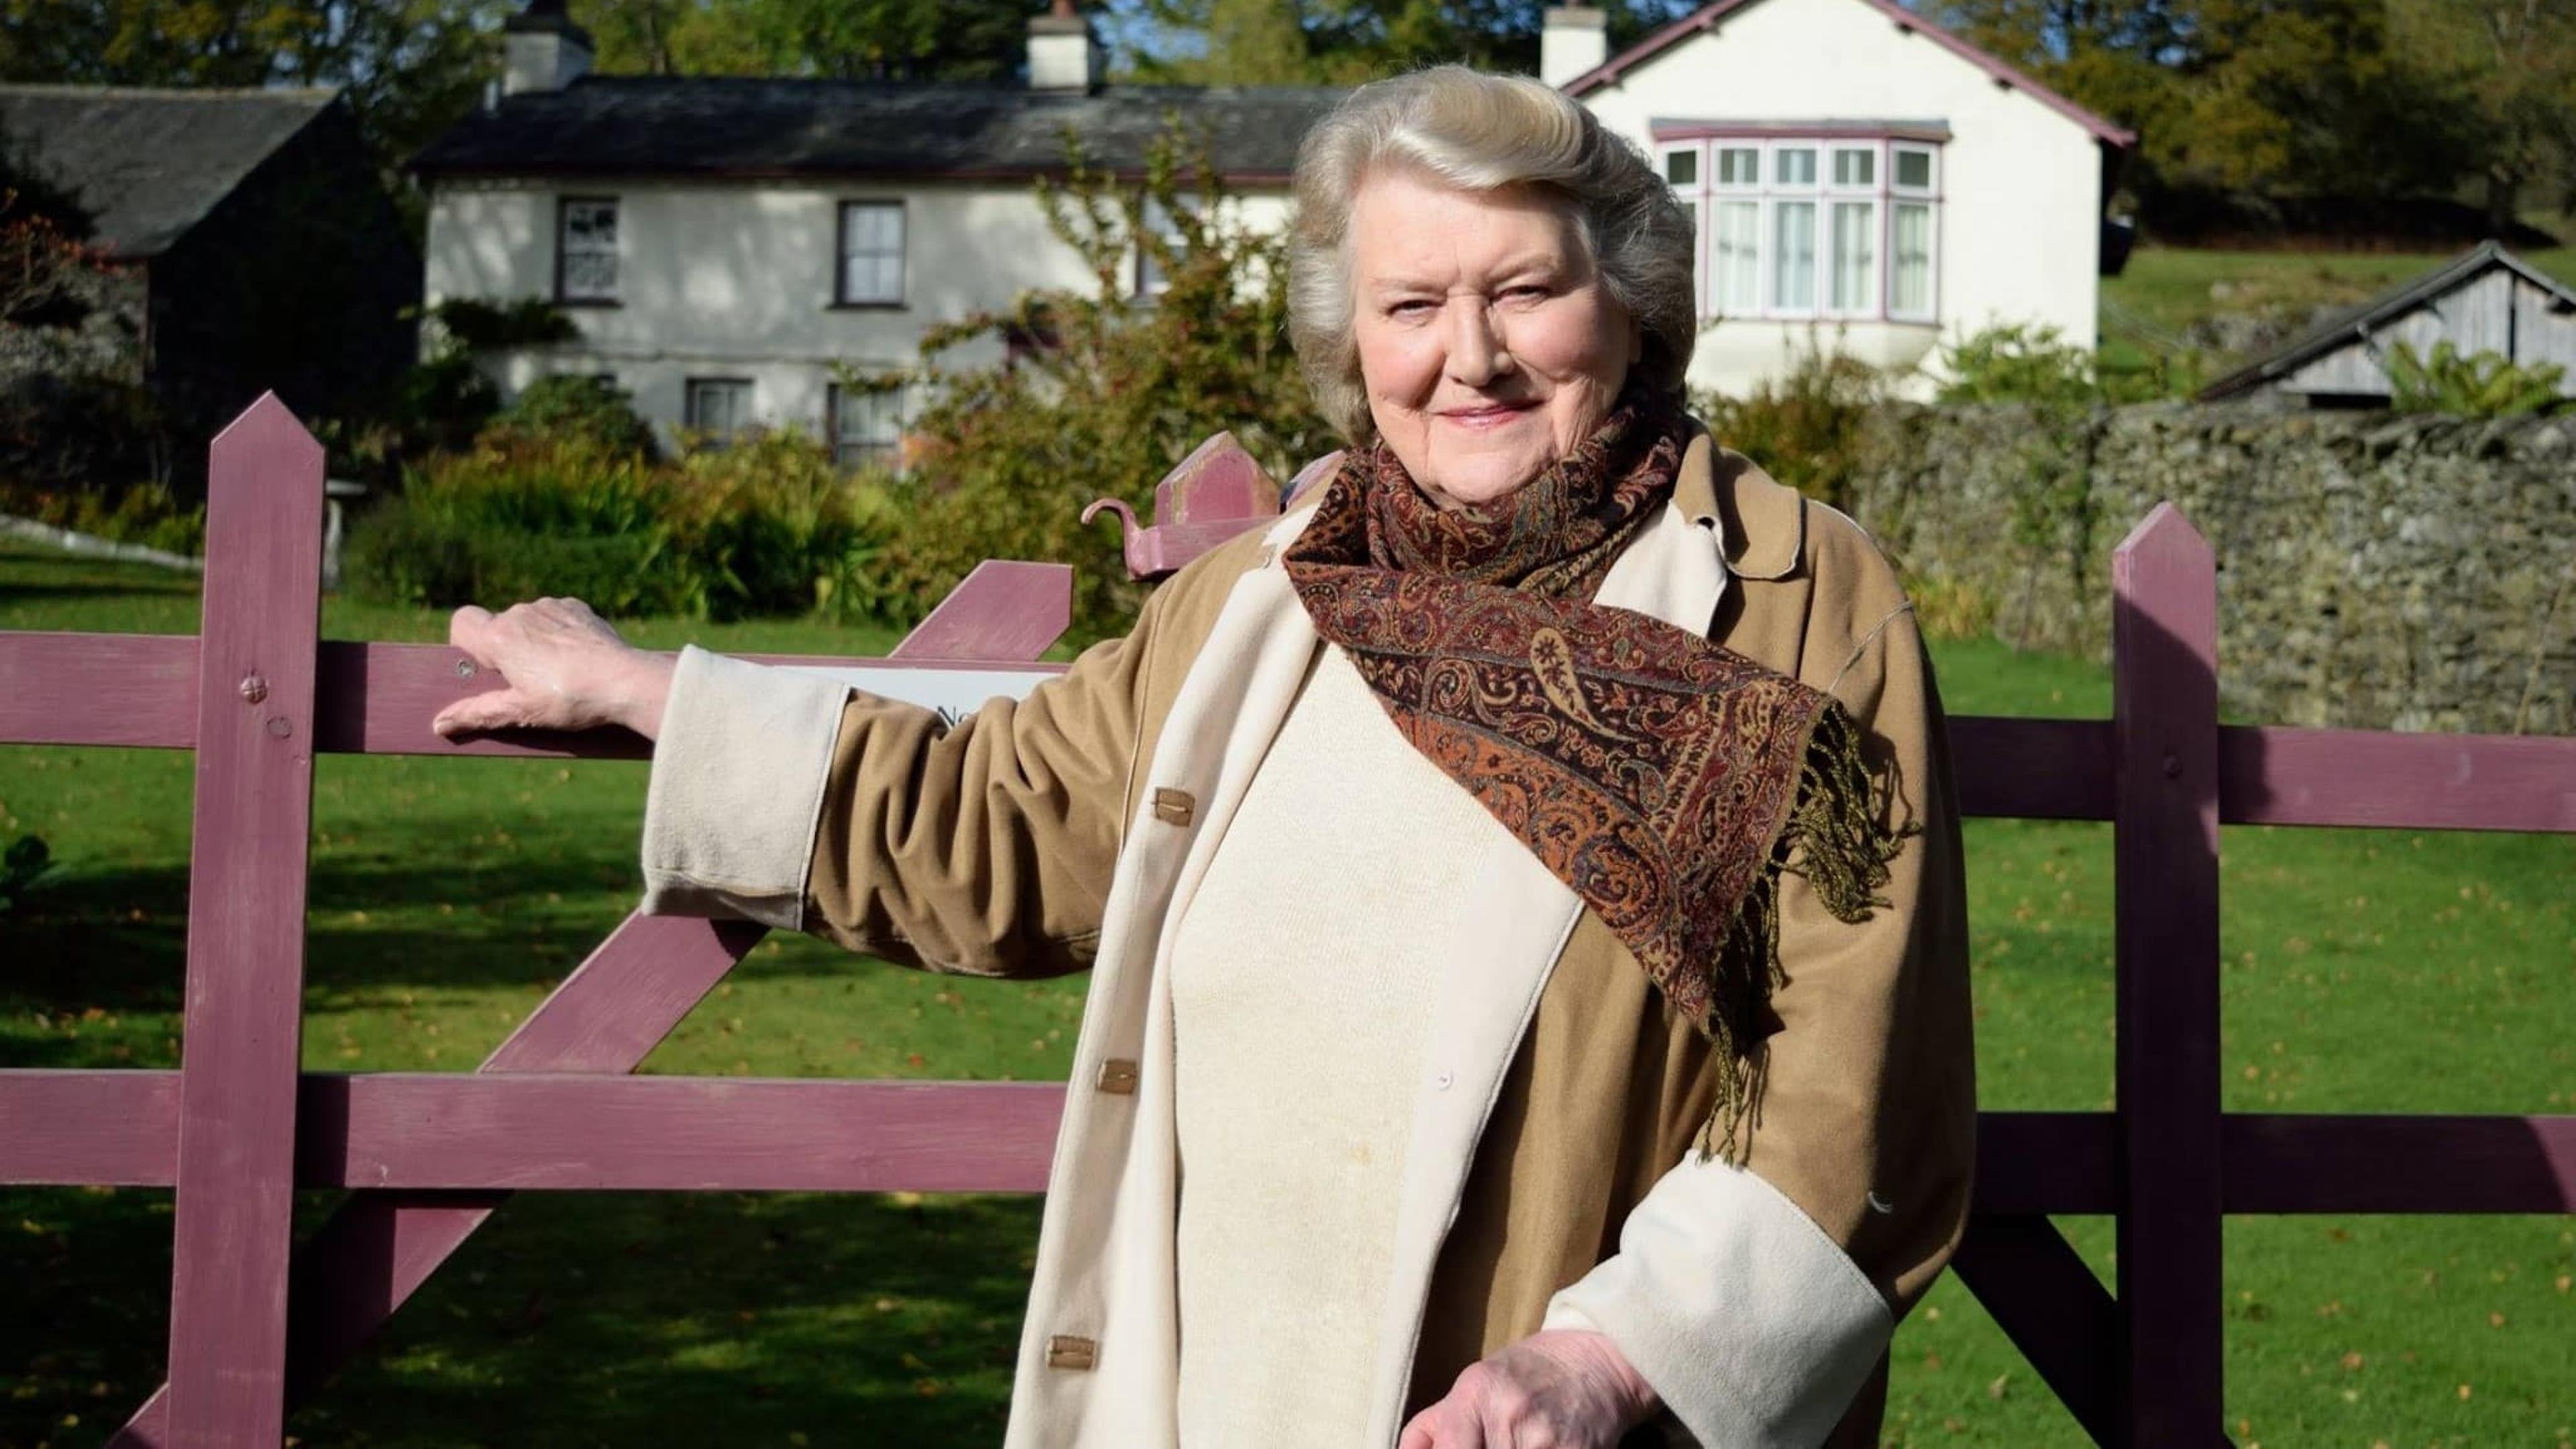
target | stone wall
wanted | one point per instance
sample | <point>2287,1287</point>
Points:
<point>2375,571</point>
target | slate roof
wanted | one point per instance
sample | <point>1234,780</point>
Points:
<point>148,164</point>
<point>2361,321</point>
<point>717,126</point>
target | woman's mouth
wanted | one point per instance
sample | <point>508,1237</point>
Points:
<point>1485,416</point>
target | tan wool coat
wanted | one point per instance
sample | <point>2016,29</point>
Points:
<point>1552,1178</point>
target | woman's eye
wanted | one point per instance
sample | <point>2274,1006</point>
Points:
<point>1530,293</point>
<point>1415,308</point>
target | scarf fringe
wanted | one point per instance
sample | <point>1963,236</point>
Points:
<point>1832,839</point>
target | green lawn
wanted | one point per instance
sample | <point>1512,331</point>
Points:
<point>2366,971</point>
<point>2164,290</point>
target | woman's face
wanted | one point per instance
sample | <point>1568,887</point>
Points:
<point>1488,346</point>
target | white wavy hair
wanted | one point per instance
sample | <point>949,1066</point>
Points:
<point>1482,132</point>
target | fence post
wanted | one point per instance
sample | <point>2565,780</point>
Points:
<point>2164,641</point>
<point>246,883</point>
<point>605,1017</point>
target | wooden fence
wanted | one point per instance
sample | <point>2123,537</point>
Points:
<point>258,1322</point>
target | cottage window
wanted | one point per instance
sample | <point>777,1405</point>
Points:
<point>865,426</point>
<point>719,407</point>
<point>1913,232</point>
<point>1738,265</point>
<point>586,249</point>
<point>1909,288</point>
<point>1855,275</point>
<point>1841,224</point>
<point>1793,252</point>
<point>871,254</point>
<point>1913,168</point>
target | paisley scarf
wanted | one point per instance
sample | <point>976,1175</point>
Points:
<point>1669,781</point>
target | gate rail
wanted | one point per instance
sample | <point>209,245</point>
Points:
<point>258,1323</point>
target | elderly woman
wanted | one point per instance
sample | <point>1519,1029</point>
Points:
<point>1521,888</point>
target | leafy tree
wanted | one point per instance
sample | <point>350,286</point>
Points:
<point>2278,96</point>
<point>1103,390</point>
<point>2509,71</point>
<point>1343,42</point>
<point>408,67</point>
<point>851,39</point>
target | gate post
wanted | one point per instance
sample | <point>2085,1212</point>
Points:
<point>245,962</point>
<point>2164,642</point>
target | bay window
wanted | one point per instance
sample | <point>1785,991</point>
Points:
<point>1842,223</point>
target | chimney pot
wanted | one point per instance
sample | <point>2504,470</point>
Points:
<point>542,49</point>
<point>1573,39</point>
<point>1063,53</point>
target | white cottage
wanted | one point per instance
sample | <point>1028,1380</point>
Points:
<point>725,246</point>
<point>1864,181</point>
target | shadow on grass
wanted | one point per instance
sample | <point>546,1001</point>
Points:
<point>578,1319</point>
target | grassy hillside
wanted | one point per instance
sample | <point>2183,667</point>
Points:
<point>2169,301</point>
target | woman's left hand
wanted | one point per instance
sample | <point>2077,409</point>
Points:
<point>1558,1389</point>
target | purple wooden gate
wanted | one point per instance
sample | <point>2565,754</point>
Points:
<point>258,1322</point>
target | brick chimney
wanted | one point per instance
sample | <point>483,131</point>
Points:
<point>1572,40</point>
<point>1063,56</point>
<point>545,51</point>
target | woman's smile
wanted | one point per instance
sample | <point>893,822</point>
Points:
<point>1487,417</point>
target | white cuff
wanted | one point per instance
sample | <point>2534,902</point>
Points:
<point>1754,1327</point>
<point>737,789</point>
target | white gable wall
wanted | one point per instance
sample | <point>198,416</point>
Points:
<point>735,279</point>
<point>2019,223</point>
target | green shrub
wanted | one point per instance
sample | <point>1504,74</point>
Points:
<point>764,527</point>
<point>786,532</point>
<point>2018,363</point>
<point>576,407</point>
<point>2480,385</point>
<point>1804,428</point>
<point>1107,390</point>
<point>149,513</point>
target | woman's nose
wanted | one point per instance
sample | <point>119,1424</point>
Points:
<point>1477,353</point>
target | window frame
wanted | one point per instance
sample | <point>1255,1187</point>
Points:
<point>1931,259</point>
<point>689,418</point>
<point>1874,228</point>
<point>1930,189</point>
<point>836,399</point>
<point>1774,207</point>
<point>1722,201</point>
<point>1827,182</point>
<point>1928,196</point>
<point>1711,200</point>
<point>616,253</point>
<point>1721,144</point>
<point>841,298</point>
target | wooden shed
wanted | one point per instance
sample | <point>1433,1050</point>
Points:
<point>2486,301</point>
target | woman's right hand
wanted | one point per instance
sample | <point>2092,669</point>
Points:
<point>564,667</point>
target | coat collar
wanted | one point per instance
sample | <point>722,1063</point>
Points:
<point>1761,524</point>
